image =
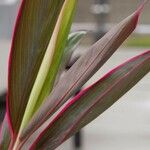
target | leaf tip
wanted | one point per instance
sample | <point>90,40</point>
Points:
<point>141,7</point>
<point>138,12</point>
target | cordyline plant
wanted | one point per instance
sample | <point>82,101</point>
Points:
<point>42,112</point>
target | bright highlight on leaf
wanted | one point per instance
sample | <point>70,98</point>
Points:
<point>51,61</point>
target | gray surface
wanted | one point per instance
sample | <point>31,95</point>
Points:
<point>4,49</point>
<point>7,19</point>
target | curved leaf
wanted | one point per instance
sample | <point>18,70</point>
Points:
<point>51,61</point>
<point>82,70</point>
<point>34,28</point>
<point>93,101</point>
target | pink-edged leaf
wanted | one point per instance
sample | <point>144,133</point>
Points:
<point>93,101</point>
<point>5,135</point>
<point>34,27</point>
<point>82,70</point>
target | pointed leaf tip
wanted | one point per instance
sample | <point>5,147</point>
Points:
<point>138,12</point>
<point>140,8</point>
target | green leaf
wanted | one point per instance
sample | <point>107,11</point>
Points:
<point>73,41</point>
<point>82,70</point>
<point>93,101</point>
<point>5,136</point>
<point>33,31</point>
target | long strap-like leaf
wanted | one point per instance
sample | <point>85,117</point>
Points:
<point>34,28</point>
<point>83,69</point>
<point>93,101</point>
<point>51,61</point>
<point>50,64</point>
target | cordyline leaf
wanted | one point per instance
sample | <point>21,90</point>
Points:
<point>34,27</point>
<point>5,135</point>
<point>73,41</point>
<point>93,101</point>
<point>51,61</point>
<point>82,70</point>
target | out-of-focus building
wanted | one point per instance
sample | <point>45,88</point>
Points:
<point>119,9</point>
<point>8,12</point>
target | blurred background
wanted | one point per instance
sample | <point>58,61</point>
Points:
<point>126,125</point>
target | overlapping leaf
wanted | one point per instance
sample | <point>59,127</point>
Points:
<point>51,61</point>
<point>93,101</point>
<point>73,41</point>
<point>83,69</point>
<point>34,28</point>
